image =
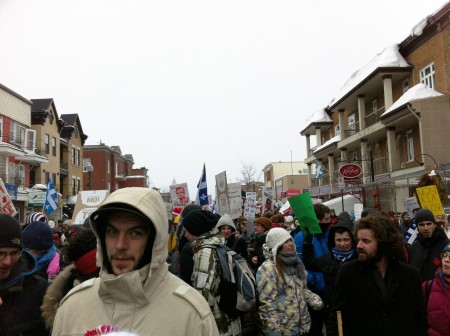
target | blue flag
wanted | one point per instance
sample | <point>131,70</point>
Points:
<point>202,194</point>
<point>319,170</point>
<point>51,199</point>
<point>411,234</point>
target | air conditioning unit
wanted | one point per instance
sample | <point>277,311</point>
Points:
<point>403,165</point>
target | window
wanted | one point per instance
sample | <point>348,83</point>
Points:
<point>12,172</point>
<point>47,144</point>
<point>1,128</point>
<point>78,184</point>
<point>53,146</point>
<point>74,154</point>
<point>108,168</point>
<point>17,134</point>
<point>20,173</point>
<point>337,130</point>
<point>78,158</point>
<point>74,183</point>
<point>351,121</point>
<point>427,76</point>
<point>374,106</point>
<point>405,86</point>
<point>30,140</point>
<point>86,162</point>
<point>47,177</point>
<point>54,179</point>
<point>410,145</point>
<point>116,168</point>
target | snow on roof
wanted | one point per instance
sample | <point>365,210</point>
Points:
<point>334,139</point>
<point>389,57</point>
<point>417,30</point>
<point>417,92</point>
<point>319,115</point>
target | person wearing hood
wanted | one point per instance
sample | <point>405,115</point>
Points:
<point>227,229</point>
<point>21,288</point>
<point>342,249</point>
<point>425,252</point>
<point>38,240</point>
<point>282,289</point>
<point>437,297</point>
<point>207,272</point>
<point>135,291</point>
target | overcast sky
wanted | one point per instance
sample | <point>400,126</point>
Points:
<point>181,83</point>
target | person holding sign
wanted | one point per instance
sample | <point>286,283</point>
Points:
<point>378,294</point>
<point>425,252</point>
<point>317,219</point>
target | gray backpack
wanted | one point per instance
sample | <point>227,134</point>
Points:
<point>237,287</point>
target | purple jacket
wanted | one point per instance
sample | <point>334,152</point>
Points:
<point>438,308</point>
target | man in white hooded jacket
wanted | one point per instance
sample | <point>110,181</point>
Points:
<point>135,292</point>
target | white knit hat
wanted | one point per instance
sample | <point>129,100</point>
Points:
<point>288,219</point>
<point>225,220</point>
<point>275,238</point>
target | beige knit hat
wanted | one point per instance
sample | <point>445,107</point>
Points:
<point>225,220</point>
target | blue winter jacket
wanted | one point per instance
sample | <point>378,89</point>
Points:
<point>316,282</point>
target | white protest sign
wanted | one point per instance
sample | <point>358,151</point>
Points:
<point>358,208</point>
<point>87,203</point>
<point>235,200</point>
<point>250,204</point>
<point>267,198</point>
<point>6,205</point>
<point>410,204</point>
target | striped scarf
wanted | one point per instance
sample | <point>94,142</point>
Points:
<point>343,256</point>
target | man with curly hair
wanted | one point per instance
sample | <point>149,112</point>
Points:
<point>378,293</point>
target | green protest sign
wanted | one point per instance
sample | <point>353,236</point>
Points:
<point>304,210</point>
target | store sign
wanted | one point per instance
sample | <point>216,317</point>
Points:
<point>36,199</point>
<point>350,170</point>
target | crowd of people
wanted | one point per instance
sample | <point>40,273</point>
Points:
<point>129,270</point>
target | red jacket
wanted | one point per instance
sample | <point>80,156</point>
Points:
<point>438,308</point>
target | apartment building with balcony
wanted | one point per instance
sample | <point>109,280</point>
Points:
<point>390,117</point>
<point>71,156</point>
<point>106,168</point>
<point>19,152</point>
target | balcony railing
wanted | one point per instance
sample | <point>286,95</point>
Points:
<point>374,117</point>
<point>352,129</point>
<point>17,142</point>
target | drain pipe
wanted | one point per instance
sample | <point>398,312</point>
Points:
<point>420,125</point>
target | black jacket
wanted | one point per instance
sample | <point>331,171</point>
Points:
<point>366,312</point>
<point>425,254</point>
<point>238,245</point>
<point>22,296</point>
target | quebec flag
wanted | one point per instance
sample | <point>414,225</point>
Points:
<point>319,171</point>
<point>411,234</point>
<point>51,199</point>
<point>202,194</point>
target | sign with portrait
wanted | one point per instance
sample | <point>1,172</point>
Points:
<point>179,194</point>
<point>223,204</point>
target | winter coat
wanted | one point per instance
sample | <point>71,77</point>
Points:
<point>438,307</point>
<point>206,279</point>
<point>67,279</point>
<point>366,312</point>
<point>316,281</point>
<point>327,263</point>
<point>238,245</point>
<point>186,263</point>
<point>283,309</point>
<point>425,254</point>
<point>146,301</point>
<point>22,295</point>
<point>255,249</point>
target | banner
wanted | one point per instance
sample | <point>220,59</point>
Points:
<point>250,204</point>
<point>223,205</point>
<point>267,199</point>
<point>87,202</point>
<point>179,194</point>
<point>6,205</point>
<point>429,199</point>
<point>50,203</point>
<point>202,192</point>
<point>235,200</point>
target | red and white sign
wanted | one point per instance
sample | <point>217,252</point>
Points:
<point>350,170</point>
<point>6,205</point>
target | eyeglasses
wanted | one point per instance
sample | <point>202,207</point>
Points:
<point>14,255</point>
<point>445,255</point>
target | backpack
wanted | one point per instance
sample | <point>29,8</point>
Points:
<point>237,287</point>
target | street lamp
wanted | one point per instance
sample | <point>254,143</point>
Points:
<point>90,169</point>
<point>436,166</point>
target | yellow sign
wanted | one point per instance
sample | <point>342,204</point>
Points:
<point>429,199</point>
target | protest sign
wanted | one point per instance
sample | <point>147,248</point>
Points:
<point>410,203</point>
<point>87,203</point>
<point>304,210</point>
<point>6,205</point>
<point>429,199</point>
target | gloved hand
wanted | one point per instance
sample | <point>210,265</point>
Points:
<point>307,235</point>
<point>312,299</point>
